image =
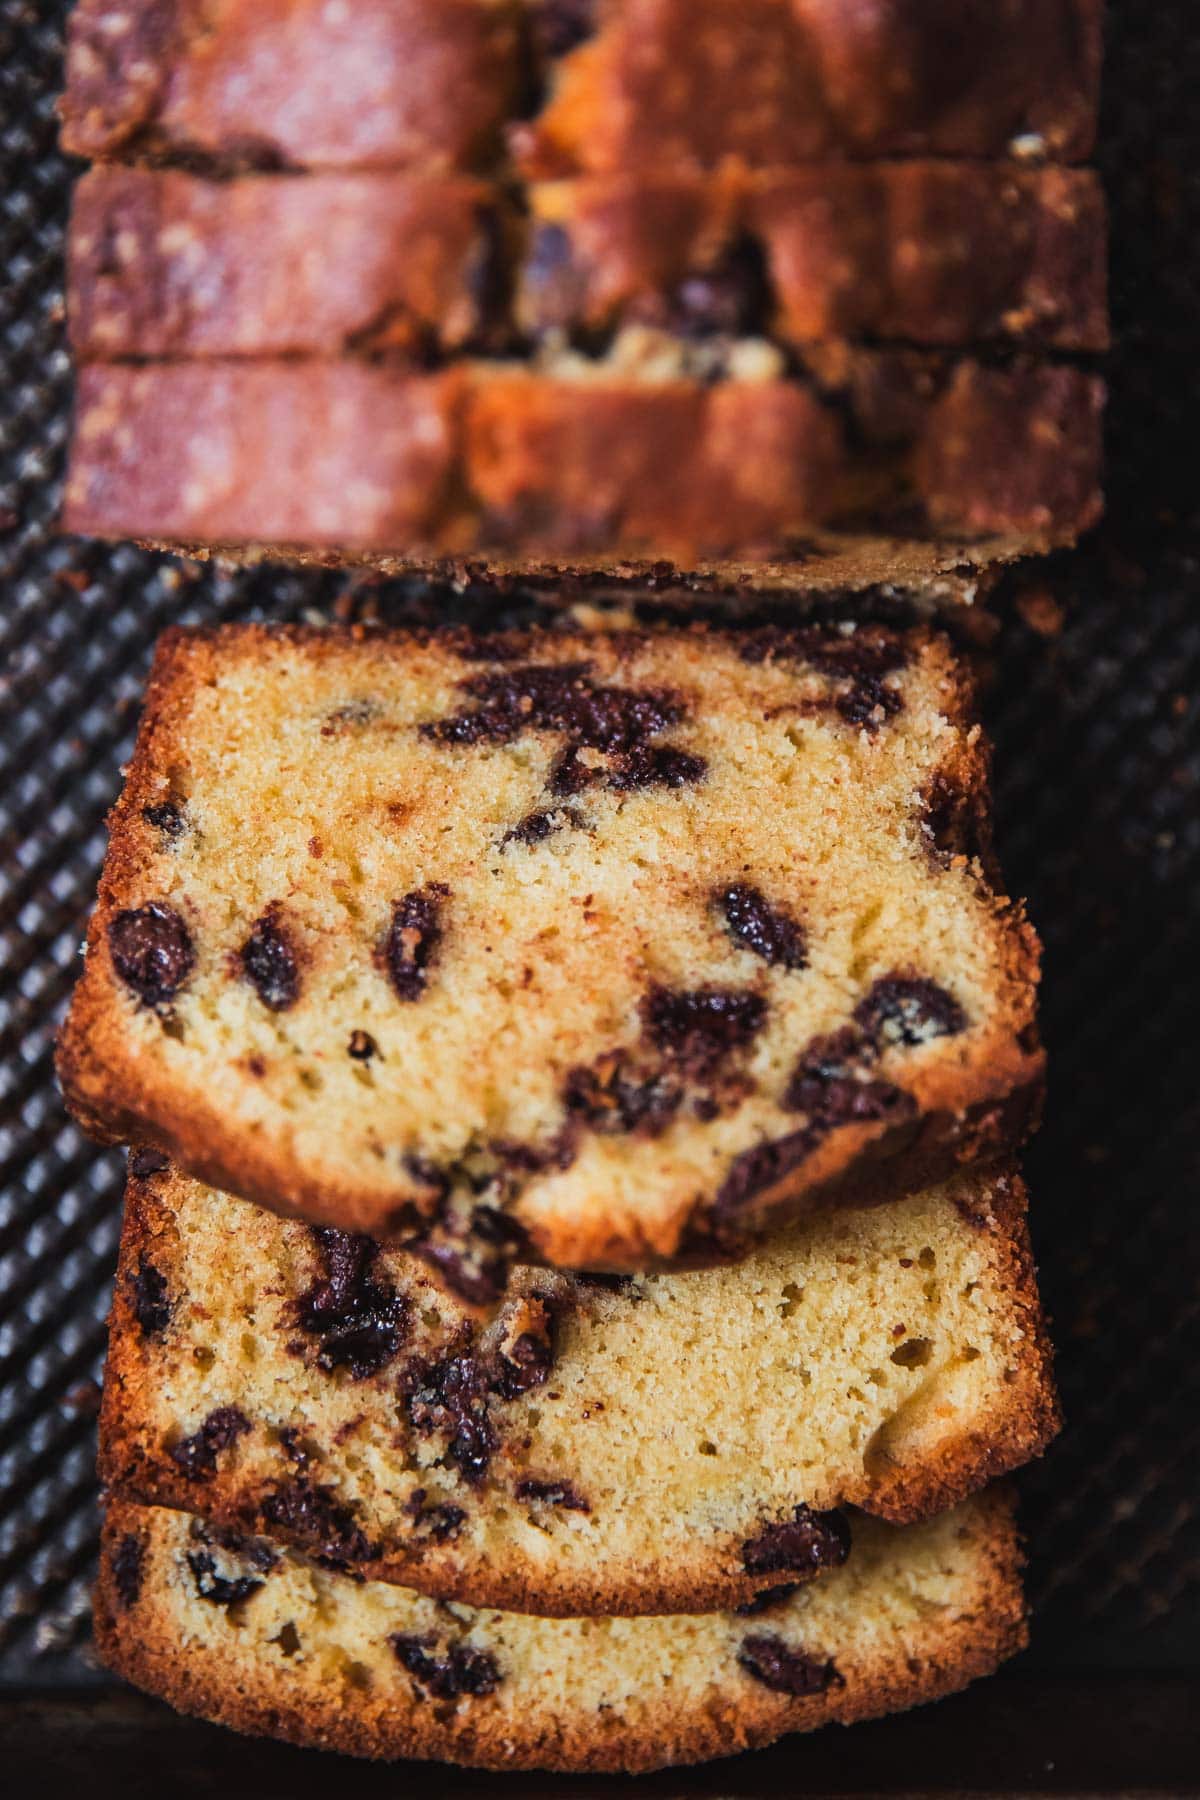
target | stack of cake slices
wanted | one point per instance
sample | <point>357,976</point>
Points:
<point>770,290</point>
<point>574,1300</point>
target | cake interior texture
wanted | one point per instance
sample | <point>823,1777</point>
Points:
<point>261,1641</point>
<point>617,944</point>
<point>653,1444</point>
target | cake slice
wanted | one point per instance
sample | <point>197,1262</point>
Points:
<point>251,1637</point>
<point>932,253</point>
<point>280,83</point>
<point>167,264</point>
<point>654,84</point>
<point>664,1443</point>
<point>713,460</point>
<point>631,83</point>
<point>614,948</point>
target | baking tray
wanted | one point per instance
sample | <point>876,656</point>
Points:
<point>1095,708</point>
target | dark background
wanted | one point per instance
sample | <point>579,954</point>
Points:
<point>1095,708</point>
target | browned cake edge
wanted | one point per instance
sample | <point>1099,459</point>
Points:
<point>500,464</point>
<point>141,1642</point>
<point>965,1115</point>
<point>134,1462</point>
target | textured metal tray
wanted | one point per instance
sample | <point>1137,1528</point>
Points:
<point>1095,708</point>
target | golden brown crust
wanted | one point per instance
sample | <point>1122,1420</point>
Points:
<point>384,84</point>
<point>918,1463</point>
<point>968,1106</point>
<point>340,1689</point>
<point>167,264</point>
<point>490,461</point>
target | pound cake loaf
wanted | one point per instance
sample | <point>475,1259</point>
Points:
<point>865,467</point>
<point>625,83</point>
<point>166,264</point>
<point>284,83</point>
<point>611,947</point>
<point>252,1637</point>
<point>657,1443</point>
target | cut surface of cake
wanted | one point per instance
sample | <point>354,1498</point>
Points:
<point>716,460</point>
<point>170,264</point>
<point>610,948</point>
<point>252,1637</point>
<point>650,1444</point>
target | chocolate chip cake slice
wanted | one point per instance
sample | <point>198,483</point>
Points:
<point>712,458</point>
<point>169,264</point>
<point>649,1444</point>
<point>250,1636</point>
<point>610,949</point>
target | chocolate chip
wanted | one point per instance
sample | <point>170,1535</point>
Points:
<point>610,1100</point>
<point>908,1010</point>
<point>758,1170</point>
<point>146,1162</point>
<point>859,660</point>
<point>128,1561</point>
<point>166,817</point>
<point>152,951</point>
<point>413,939</point>
<point>313,1517</point>
<point>765,929</point>
<point>151,1299</point>
<point>700,1027</point>
<point>806,1542</point>
<point>768,1600</point>
<point>563,1494</point>
<point>439,1523</point>
<point>293,1449</point>
<point>525,1365</point>
<point>829,1083</point>
<point>197,1455</point>
<point>359,1319</point>
<point>255,1550</point>
<point>560,697</point>
<point>451,1398</point>
<point>536,827</point>
<point>362,1046</point>
<point>217,1589</point>
<point>470,1247</point>
<point>559,26</point>
<point>785,1670</point>
<point>269,962</point>
<point>654,765</point>
<point>462,1669</point>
